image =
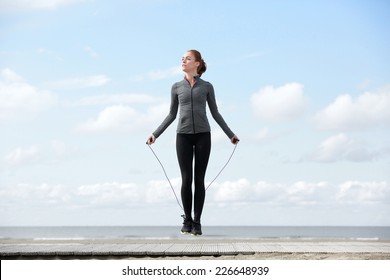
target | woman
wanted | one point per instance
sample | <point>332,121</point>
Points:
<point>193,138</point>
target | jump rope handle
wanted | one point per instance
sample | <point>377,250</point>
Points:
<point>150,139</point>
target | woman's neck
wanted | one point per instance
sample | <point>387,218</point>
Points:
<point>190,77</point>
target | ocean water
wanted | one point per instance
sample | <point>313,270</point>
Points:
<point>209,232</point>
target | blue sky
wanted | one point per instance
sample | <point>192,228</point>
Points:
<point>304,84</point>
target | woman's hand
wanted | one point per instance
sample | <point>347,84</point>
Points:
<point>151,140</point>
<point>235,139</point>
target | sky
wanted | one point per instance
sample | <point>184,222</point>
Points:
<point>304,84</point>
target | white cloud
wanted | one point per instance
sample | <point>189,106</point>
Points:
<point>23,5</point>
<point>305,193</point>
<point>110,193</point>
<point>22,155</point>
<point>112,99</point>
<point>159,191</point>
<point>364,192</point>
<point>21,195</point>
<point>280,202</point>
<point>279,103</point>
<point>80,82</point>
<point>45,154</point>
<point>160,74</point>
<point>114,118</point>
<point>340,147</point>
<point>9,76</point>
<point>243,191</point>
<point>371,109</point>
<point>240,190</point>
<point>299,193</point>
<point>20,100</point>
<point>123,119</point>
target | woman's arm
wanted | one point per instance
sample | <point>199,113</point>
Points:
<point>216,115</point>
<point>169,119</point>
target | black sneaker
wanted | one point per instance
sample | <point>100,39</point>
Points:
<point>187,225</point>
<point>196,229</point>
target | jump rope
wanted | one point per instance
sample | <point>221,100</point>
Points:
<point>169,181</point>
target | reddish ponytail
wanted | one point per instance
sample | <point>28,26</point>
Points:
<point>198,57</point>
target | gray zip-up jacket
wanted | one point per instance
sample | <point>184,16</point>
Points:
<point>192,101</point>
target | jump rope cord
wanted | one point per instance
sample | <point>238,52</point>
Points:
<point>219,173</point>
<point>166,176</point>
<point>169,181</point>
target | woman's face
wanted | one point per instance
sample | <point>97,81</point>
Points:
<point>188,63</point>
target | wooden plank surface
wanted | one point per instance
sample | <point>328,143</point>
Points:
<point>187,248</point>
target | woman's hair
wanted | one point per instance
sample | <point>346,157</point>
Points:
<point>198,57</point>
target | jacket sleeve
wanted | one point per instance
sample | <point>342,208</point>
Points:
<point>171,115</point>
<point>215,113</point>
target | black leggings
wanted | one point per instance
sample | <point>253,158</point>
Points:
<point>188,146</point>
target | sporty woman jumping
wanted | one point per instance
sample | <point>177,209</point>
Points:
<point>193,139</point>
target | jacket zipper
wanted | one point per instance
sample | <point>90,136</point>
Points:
<point>192,110</point>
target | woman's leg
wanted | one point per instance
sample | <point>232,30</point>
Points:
<point>185,152</point>
<point>202,154</point>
